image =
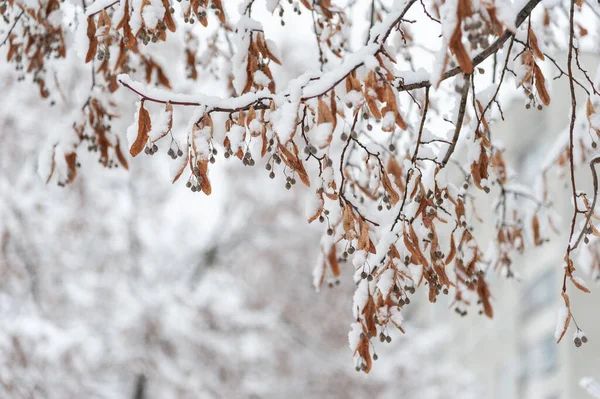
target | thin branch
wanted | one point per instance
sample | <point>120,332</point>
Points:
<point>562,72</point>
<point>12,28</point>
<point>588,217</point>
<point>425,108</point>
<point>489,104</point>
<point>376,40</point>
<point>571,139</point>
<point>585,73</point>
<point>103,8</point>
<point>372,22</point>
<point>321,55</point>
<point>492,49</point>
<point>459,121</point>
<point>428,14</point>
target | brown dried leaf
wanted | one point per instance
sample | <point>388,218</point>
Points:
<point>484,295</point>
<point>476,174</point>
<point>91,34</point>
<point>319,210</point>
<point>128,36</point>
<point>162,78</point>
<point>121,156</point>
<point>533,43</point>
<point>333,262</point>
<point>535,226</point>
<point>219,6</point>
<point>144,126</point>
<point>348,222</point>
<point>168,18</point>
<point>250,116</point>
<point>370,87</point>
<point>452,252</point>
<point>295,164</point>
<point>104,21</point>
<point>540,85</point>
<point>390,98</point>
<point>183,166</point>
<point>595,231</point>
<point>369,311</point>
<point>394,168</point>
<point>325,115</point>
<point>568,319</point>
<point>589,109</point>
<point>363,350</point>
<point>413,248</point>
<point>363,238</point>
<point>204,183</point>
<point>263,47</point>
<point>306,4</point>
<point>387,185</point>
<point>580,286</point>
<point>459,51</point>
<point>460,209</point>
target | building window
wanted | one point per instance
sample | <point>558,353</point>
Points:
<point>538,294</point>
<point>547,355</point>
<point>538,361</point>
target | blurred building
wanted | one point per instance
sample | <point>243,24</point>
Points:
<point>515,355</point>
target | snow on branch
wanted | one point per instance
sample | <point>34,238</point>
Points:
<point>98,6</point>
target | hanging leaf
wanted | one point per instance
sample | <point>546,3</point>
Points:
<point>91,35</point>
<point>580,284</point>
<point>348,221</point>
<point>325,115</point>
<point>319,210</point>
<point>184,163</point>
<point>567,319</point>
<point>533,43</point>
<point>540,85</point>
<point>452,252</point>
<point>459,51</point>
<point>295,164</point>
<point>484,295</point>
<point>168,18</point>
<point>363,238</point>
<point>387,185</point>
<point>120,156</point>
<point>333,262</point>
<point>144,126</point>
<point>204,182</point>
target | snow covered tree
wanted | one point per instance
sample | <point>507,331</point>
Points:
<point>388,119</point>
<point>99,298</point>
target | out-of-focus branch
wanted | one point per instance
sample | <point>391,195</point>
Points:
<point>12,27</point>
<point>590,212</point>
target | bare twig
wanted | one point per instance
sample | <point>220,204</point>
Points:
<point>590,212</point>
<point>381,41</point>
<point>489,104</point>
<point>12,27</point>
<point>459,120</point>
<point>571,140</point>
<point>492,49</point>
<point>425,108</point>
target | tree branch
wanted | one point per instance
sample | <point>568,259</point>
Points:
<point>459,120</point>
<point>479,58</point>
<point>425,108</point>
<point>12,27</point>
